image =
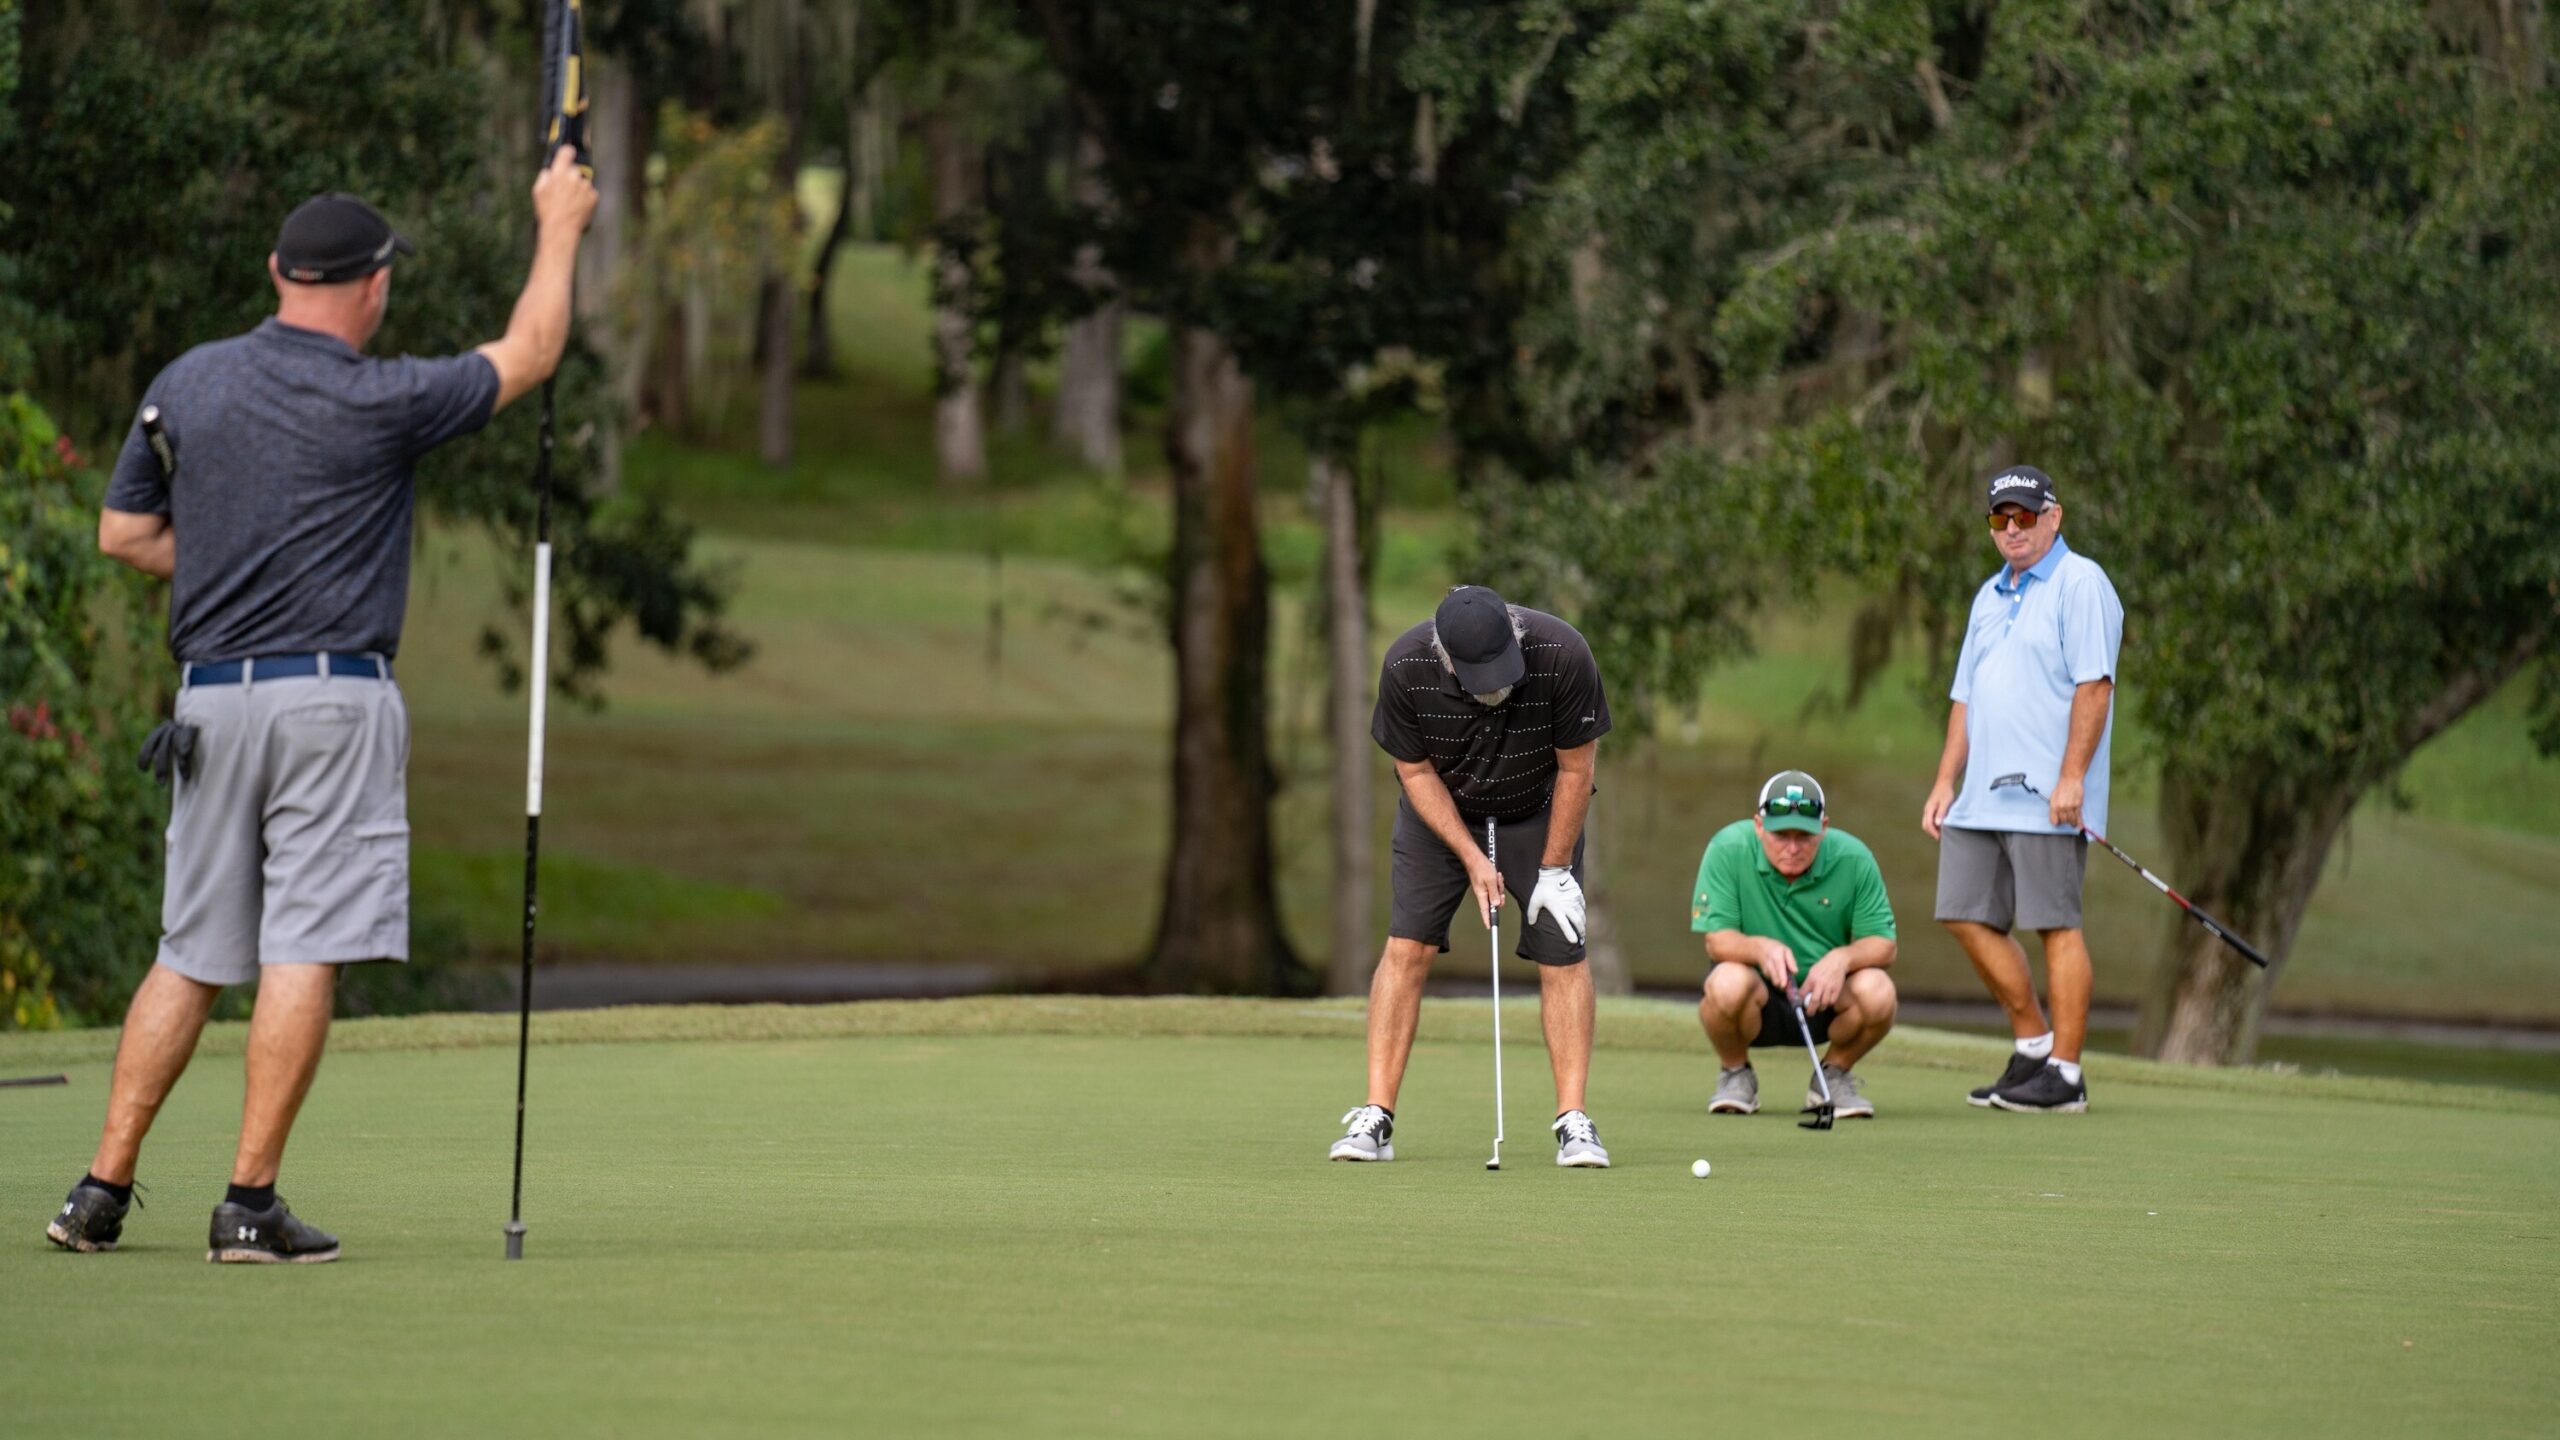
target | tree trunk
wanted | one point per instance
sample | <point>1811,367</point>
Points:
<point>1346,572</point>
<point>1087,421</point>
<point>1220,929</point>
<point>1012,392</point>
<point>1602,948</point>
<point>773,412</point>
<point>2251,855</point>
<point>959,431</point>
<point>818,362</point>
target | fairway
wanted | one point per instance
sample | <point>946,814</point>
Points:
<point>1062,1216</point>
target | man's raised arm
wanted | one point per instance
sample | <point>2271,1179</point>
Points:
<point>563,201</point>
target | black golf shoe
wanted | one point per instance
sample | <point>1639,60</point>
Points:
<point>91,1220</point>
<point>2022,1068</point>
<point>273,1236</point>
<point>2043,1093</point>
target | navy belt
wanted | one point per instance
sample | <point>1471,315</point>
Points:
<point>286,667</point>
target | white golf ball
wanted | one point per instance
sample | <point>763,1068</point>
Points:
<point>1701,1169</point>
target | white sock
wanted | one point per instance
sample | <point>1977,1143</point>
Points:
<point>2037,1047</point>
<point>2070,1070</point>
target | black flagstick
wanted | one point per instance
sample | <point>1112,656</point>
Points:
<point>565,101</point>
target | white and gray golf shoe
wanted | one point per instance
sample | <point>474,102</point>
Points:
<point>1578,1142</point>
<point>1737,1092</point>
<point>1848,1102</point>
<point>1371,1125</point>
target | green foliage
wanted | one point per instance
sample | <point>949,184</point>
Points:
<point>79,857</point>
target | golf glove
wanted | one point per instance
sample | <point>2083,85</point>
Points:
<point>1560,892</point>
<point>170,749</point>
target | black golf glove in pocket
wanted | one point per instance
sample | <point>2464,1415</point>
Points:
<point>170,749</point>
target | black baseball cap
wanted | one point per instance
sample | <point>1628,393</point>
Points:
<point>1475,629</point>
<point>2021,485</point>
<point>335,237</point>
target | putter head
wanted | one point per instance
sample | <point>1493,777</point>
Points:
<point>515,1239</point>
<point>1816,1117</point>
<point>1494,1164</point>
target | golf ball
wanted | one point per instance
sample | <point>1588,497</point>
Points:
<point>1701,1169</point>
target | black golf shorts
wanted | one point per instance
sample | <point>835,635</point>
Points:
<point>1778,1021</point>
<point>1430,885</point>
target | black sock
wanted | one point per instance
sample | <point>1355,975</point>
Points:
<point>251,1197</point>
<point>123,1193</point>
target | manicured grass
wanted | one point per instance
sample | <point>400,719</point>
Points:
<point>1072,1217</point>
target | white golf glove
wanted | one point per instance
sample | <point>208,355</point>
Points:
<point>1560,892</point>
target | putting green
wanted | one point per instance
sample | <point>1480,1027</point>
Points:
<point>1113,1218</point>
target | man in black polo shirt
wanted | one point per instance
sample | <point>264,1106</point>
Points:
<point>1492,712</point>
<point>276,494</point>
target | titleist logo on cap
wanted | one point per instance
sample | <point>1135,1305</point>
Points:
<point>2015,482</point>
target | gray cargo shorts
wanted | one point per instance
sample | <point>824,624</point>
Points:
<point>290,846</point>
<point>2008,879</point>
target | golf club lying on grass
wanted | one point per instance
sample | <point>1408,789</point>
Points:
<point>2221,931</point>
<point>29,1082</point>
<point>1493,928</point>
<point>1816,1117</point>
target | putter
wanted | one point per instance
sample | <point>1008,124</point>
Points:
<point>30,1082</point>
<point>2218,929</point>
<point>1818,1117</point>
<point>1495,931</point>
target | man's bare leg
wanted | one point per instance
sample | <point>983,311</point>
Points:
<point>1730,1012</point>
<point>1565,1012</point>
<point>160,1031</point>
<point>1863,1017</point>
<point>1395,1008</point>
<point>2067,976</point>
<point>286,1034</point>
<point>2003,967</point>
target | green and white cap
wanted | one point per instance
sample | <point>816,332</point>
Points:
<point>1791,800</point>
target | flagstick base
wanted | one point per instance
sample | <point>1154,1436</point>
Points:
<point>515,1239</point>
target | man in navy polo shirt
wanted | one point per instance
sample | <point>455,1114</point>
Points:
<point>268,476</point>
<point>2035,697</point>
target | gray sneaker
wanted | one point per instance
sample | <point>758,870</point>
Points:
<point>1367,1137</point>
<point>1737,1092</point>
<point>1848,1102</point>
<point>1578,1142</point>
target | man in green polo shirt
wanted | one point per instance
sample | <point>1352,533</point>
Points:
<point>1789,904</point>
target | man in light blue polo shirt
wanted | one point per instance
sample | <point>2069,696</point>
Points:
<point>2034,697</point>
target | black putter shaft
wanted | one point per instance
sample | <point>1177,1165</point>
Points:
<point>30,1082</point>
<point>565,123</point>
<point>2219,930</point>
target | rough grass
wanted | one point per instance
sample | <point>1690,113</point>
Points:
<point>1076,1217</point>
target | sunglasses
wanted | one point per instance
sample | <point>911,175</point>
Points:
<point>2024,520</point>
<point>1806,806</point>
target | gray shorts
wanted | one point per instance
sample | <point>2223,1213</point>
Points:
<point>290,846</point>
<point>2010,879</point>
<point>1430,885</point>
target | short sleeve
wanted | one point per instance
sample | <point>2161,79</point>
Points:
<point>1717,902</point>
<point>1870,909</point>
<point>138,487</point>
<point>2092,628</point>
<point>448,398</point>
<point>1581,704</point>
<point>1396,724</point>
